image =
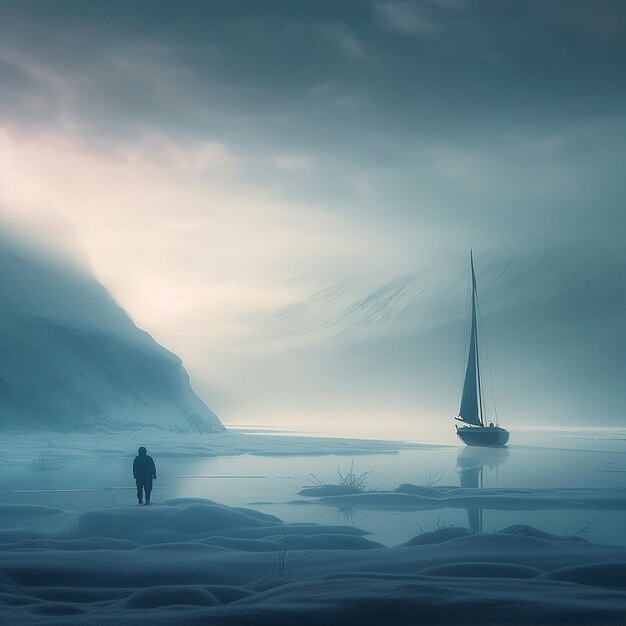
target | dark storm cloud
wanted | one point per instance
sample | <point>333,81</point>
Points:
<point>487,121</point>
<point>446,108</point>
<point>307,69</point>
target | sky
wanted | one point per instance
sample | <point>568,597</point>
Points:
<point>285,193</point>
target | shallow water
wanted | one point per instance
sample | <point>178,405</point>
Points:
<point>516,467</point>
<point>271,483</point>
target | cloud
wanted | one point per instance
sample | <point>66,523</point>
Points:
<point>161,219</point>
<point>449,4</point>
<point>293,162</point>
<point>346,41</point>
<point>602,20</point>
<point>220,161</point>
<point>404,17</point>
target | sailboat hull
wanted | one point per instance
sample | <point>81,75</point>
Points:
<point>484,436</point>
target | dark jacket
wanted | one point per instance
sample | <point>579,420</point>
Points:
<point>144,468</point>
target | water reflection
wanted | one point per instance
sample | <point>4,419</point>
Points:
<point>473,464</point>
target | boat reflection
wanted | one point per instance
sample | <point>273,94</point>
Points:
<point>473,465</point>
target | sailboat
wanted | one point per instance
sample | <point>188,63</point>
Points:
<point>476,431</point>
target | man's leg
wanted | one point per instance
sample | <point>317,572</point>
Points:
<point>148,490</point>
<point>139,492</point>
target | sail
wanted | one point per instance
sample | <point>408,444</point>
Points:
<point>469,411</point>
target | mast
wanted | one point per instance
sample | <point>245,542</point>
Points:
<point>471,408</point>
<point>474,296</point>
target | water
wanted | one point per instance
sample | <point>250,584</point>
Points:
<point>522,467</point>
<point>271,483</point>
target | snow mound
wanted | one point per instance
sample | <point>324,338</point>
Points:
<point>30,510</point>
<point>155,597</point>
<point>73,359</point>
<point>323,540</point>
<point>289,529</point>
<point>189,595</point>
<point>417,498</point>
<point>482,570</point>
<point>439,536</point>
<point>193,518</point>
<point>201,526</point>
<point>328,490</point>
<point>610,575</point>
<point>15,535</point>
<point>238,566</point>
<point>530,531</point>
<point>91,543</point>
<point>56,609</point>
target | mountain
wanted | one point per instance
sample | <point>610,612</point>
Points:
<point>553,321</point>
<point>72,359</point>
<point>556,291</point>
<point>421,299</point>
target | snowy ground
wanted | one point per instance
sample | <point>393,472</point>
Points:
<point>233,538</point>
<point>195,561</point>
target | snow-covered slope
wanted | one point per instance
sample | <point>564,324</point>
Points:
<point>71,358</point>
<point>550,288</point>
<point>554,337</point>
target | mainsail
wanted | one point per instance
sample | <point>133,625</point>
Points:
<point>470,400</point>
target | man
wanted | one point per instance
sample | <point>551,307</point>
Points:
<point>144,472</point>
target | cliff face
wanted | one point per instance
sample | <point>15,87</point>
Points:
<point>72,359</point>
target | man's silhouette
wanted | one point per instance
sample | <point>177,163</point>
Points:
<point>144,471</point>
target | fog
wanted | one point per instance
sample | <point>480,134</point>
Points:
<point>235,300</point>
<point>219,169</point>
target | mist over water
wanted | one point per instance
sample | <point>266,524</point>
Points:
<point>269,481</point>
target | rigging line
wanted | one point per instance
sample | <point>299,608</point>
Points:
<point>477,354</point>
<point>488,360</point>
<point>467,326</point>
<point>481,398</point>
<point>475,312</point>
<point>480,511</point>
<point>473,351</point>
